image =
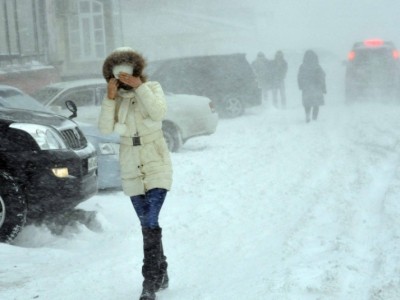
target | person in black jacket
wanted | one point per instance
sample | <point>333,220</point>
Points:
<point>311,81</point>
<point>262,69</point>
<point>279,70</point>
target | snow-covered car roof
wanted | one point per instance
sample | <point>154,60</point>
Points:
<point>77,83</point>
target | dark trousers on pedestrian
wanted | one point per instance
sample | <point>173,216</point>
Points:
<point>314,109</point>
<point>282,93</point>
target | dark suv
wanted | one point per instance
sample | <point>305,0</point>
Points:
<point>228,80</point>
<point>372,71</point>
<point>47,167</point>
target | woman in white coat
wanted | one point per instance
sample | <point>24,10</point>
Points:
<point>135,108</point>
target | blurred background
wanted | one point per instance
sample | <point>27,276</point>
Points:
<point>57,40</point>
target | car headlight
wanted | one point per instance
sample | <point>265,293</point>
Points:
<point>46,137</point>
<point>109,148</point>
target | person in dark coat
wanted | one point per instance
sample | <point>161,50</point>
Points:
<point>311,81</point>
<point>262,70</point>
<point>279,70</point>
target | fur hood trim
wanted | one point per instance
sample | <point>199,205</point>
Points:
<point>124,55</point>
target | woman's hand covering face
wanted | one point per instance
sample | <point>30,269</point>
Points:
<point>130,80</point>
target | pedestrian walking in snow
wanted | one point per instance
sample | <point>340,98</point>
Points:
<point>262,69</point>
<point>311,81</point>
<point>135,108</point>
<point>279,69</point>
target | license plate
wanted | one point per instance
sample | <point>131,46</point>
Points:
<point>92,163</point>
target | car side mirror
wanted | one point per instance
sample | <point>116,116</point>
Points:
<point>72,108</point>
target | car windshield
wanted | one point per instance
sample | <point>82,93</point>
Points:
<point>14,99</point>
<point>46,94</point>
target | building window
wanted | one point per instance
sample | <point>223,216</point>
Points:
<point>21,30</point>
<point>86,31</point>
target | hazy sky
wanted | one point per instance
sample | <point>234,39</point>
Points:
<point>336,24</point>
<point>253,25</point>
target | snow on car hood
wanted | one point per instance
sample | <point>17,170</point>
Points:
<point>36,117</point>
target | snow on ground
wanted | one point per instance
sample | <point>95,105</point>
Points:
<point>268,207</point>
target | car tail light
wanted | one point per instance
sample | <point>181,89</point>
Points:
<point>373,43</point>
<point>351,55</point>
<point>212,107</point>
<point>396,54</point>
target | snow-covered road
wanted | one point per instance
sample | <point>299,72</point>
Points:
<point>268,207</point>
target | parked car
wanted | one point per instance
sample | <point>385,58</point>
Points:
<point>187,116</point>
<point>228,80</point>
<point>107,147</point>
<point>47,167</point>
<point>372,71</point>
<point>84,93</point>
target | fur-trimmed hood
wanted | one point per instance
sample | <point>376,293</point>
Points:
<point>124,55</point>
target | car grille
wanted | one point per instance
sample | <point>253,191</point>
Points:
<point>74,138</point>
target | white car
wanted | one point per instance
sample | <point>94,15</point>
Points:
<point>188,116</point>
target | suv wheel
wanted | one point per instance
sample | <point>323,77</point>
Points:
<point>13,208</point>
<point>172,137</point>
<point>232,107</point>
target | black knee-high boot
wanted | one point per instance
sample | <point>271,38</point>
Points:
<point>151,262</point>
<point>162,278</point>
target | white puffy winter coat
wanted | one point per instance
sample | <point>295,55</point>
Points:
<point>139,113</point>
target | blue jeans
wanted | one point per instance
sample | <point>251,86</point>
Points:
<point>148,207</point>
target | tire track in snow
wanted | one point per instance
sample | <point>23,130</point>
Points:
<point>364,219</point>
<point>387,281</point>
<point>306,193</point>
<point>339,279</point>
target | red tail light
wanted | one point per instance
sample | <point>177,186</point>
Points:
<point>396,54</point>
<point>373,43</point>
<point>351,55</point>
<point>212,107</point>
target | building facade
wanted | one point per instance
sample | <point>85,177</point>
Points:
<point>50,40</point>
